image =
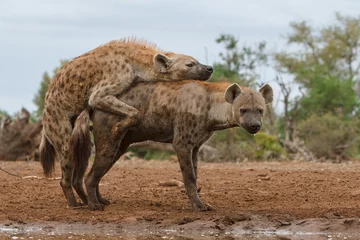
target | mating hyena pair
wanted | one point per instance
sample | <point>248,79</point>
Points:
<point>183,113</point>
<point>93,80</point>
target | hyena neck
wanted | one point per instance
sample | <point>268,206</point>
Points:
<point>221,114</point>
<point>145,74</point>
<point>142,64</point>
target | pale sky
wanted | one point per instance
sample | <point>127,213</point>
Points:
<point>36,34</point>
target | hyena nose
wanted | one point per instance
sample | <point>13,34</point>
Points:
<point>209,69</point>
<point>255,126</point>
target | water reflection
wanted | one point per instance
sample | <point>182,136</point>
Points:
<point>79,231</point>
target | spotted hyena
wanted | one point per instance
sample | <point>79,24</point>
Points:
<point>93,80</point>
<point>183,113</point>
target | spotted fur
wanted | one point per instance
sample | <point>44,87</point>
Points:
<point>183,113</point>
<point>94,79</point>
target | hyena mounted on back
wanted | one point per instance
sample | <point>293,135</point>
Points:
<point>94,79</point>
<point>184,113</point>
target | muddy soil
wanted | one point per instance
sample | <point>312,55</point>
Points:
<point>294,200</point>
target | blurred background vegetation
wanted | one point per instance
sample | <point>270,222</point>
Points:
<point>317,80</point>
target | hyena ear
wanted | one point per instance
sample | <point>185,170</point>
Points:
<point>267,93</point>
<point>232,92</point>
<point>162,63</point>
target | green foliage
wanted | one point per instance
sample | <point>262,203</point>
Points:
<point>236,144</point>
<point>330,136</point>
<point>268,147</point>
<point>34,117</point>
<point>221,74</point>
<point>239,65</point>
<point>326,65</point>
<point>329,94</point>
<point>3,114</point>
<point>40,95</point>
<point>331,49</point>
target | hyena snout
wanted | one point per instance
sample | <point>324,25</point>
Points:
<point>205,72</point>
<point>253,127</point>
<point>209,69</point>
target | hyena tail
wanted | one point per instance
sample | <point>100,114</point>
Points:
<point>47,155</point>
<point>80,144</point>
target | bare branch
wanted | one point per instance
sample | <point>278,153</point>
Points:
<point>12,174</point>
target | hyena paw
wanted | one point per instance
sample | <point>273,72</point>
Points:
<point>75,205</point>
<point>103,201</point>
<point>202,207</point>
<point>96,207</point>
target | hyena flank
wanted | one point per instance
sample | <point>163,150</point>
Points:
<point>93,80</point>
<point>183,113</point>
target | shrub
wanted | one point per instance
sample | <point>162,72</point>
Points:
<point>268,147</point>
<point>238,145</point>
<point>329,136</point>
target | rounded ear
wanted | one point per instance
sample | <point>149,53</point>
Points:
<point>232,92</point>
<point>267,93</point>
<point>162,62</point>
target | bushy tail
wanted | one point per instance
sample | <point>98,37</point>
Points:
<point>47,155</point>
<point>80,143</point>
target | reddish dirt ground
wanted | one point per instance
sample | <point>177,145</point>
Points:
<point>251,196</point>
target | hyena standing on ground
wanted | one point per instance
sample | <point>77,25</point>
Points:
<point>94,79</point>
<point>183,113</point>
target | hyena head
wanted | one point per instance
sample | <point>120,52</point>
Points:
<point>248,105</point>
<point>173,66</point>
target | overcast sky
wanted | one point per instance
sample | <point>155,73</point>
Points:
<point>36,34</point>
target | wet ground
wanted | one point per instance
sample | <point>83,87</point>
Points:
<point>274,200</point>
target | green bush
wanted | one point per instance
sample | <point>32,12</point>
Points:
<point>238,145</point>
<point>329,136</point>
<point>268,147</point>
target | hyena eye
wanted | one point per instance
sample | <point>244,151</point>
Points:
<point>243,111</point>
<point>190,64</point>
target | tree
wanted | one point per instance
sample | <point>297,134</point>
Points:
<point>326,66</point>
<point>40,96</point>
<point>331,50</point>
<point>239,65</point>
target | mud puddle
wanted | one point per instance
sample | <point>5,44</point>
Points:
<point>201,231</point>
